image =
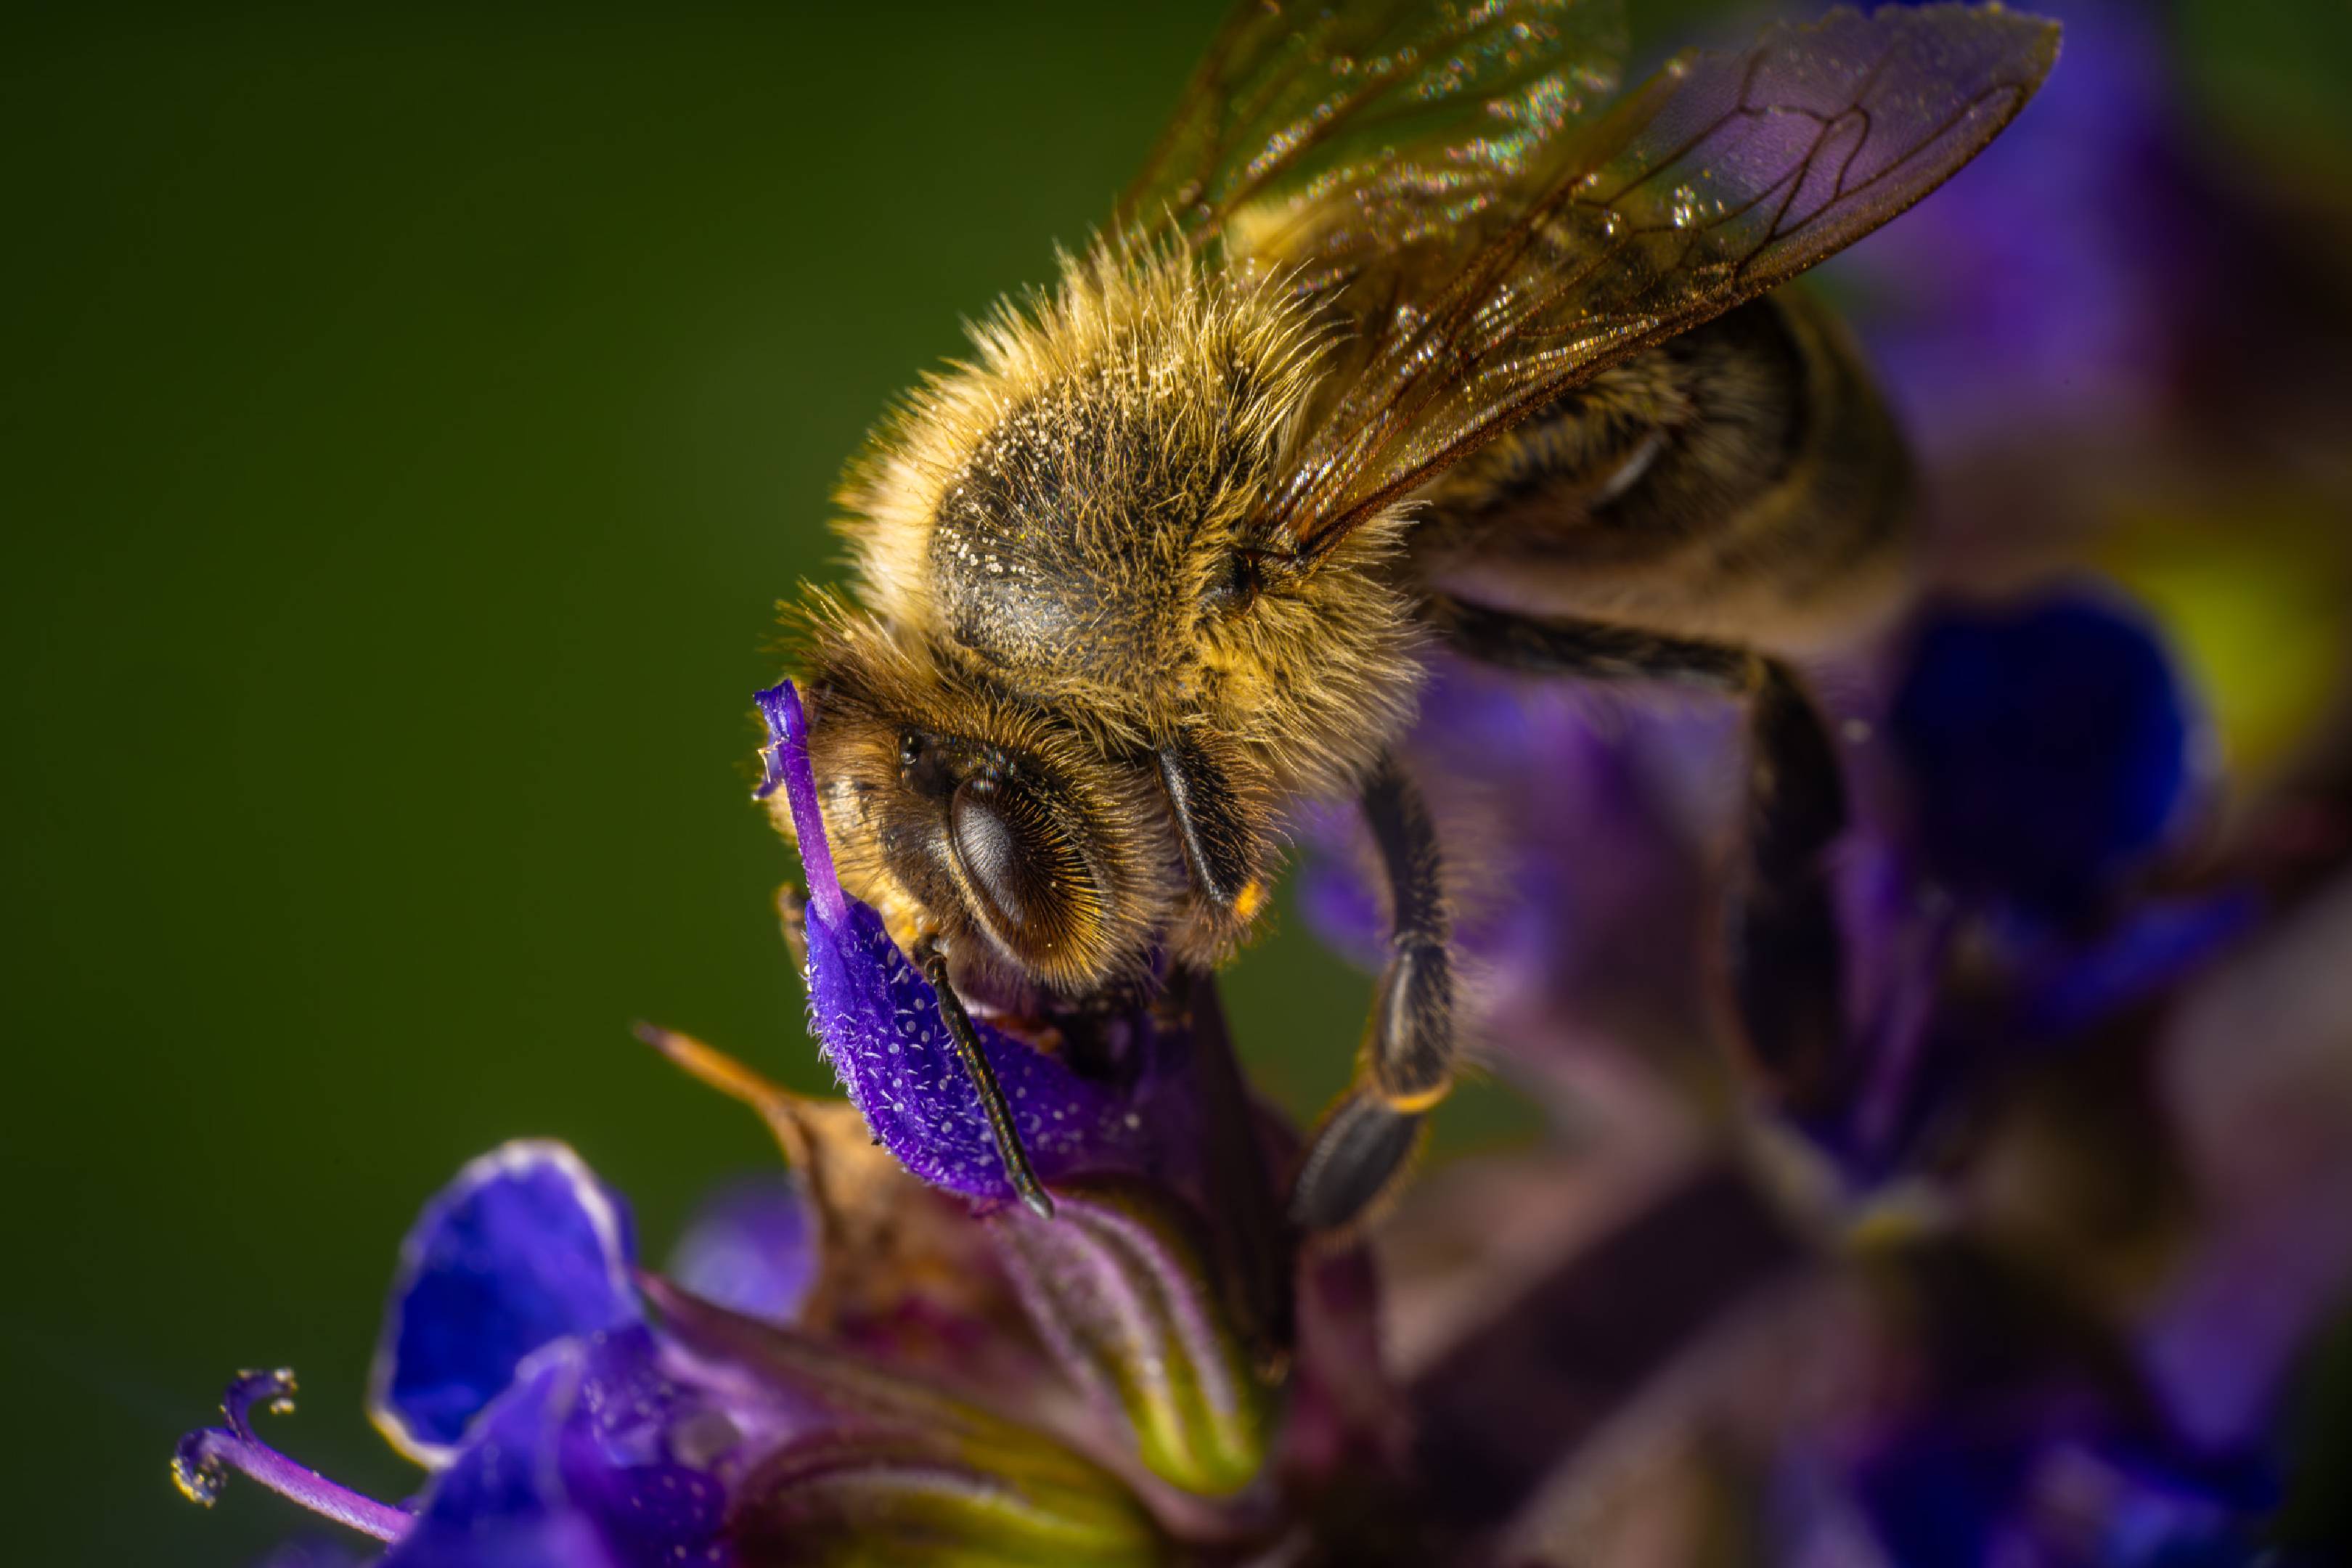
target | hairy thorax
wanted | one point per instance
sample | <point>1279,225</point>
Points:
<point>1074,521</point>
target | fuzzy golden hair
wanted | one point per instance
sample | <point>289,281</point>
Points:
<point>1060,563</point>
<point>1061,507</point>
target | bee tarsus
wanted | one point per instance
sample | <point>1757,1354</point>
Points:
<point>1355,1156</point>
<point>1407,1064</point>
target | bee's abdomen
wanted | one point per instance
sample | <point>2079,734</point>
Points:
<point>1743,479</point>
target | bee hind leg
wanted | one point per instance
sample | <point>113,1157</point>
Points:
<point>1786,955</point>
<point>1407,1065</point>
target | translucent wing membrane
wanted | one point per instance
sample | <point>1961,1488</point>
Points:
<point>1722,177</point>
<point>1413,116</point>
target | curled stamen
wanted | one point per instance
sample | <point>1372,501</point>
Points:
<point>203,1458</point>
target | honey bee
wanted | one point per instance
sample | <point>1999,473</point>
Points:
<point>1412,332</point>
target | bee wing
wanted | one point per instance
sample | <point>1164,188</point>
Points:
<point>1412,114</point>
<point>1720,178</point>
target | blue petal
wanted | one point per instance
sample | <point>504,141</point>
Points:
<point>1939,1503</point>
<point>2048,747</point>
<point>2148,951</point>
<point>502,1501</point>
<point>879,1020</point>
<point>524,1247</point>
<point>751,1249</point>
<point>576,1466</point>
<point>621,1458</point>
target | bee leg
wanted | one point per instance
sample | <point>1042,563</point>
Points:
<point>1786,954</point>
<point>1408,1061</point>
<point>932,959</point>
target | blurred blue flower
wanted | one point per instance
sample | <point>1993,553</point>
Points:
<point>2048,746</point>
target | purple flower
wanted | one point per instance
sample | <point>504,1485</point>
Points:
<point>564,1423</point>
<point>1661,1338</point>
<point>785,1396</point>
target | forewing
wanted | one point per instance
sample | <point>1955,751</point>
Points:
<point>1372,124</point>
<point>1722,177</point>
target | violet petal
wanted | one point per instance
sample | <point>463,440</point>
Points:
<point>752,1248</point>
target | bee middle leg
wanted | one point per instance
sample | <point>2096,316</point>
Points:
<point>1409,1049</point>
<point>1787,961</point>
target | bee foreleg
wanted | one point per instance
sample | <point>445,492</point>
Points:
<point>1785,952</point>
<point>1408,1059</point>
<point>932,959</point>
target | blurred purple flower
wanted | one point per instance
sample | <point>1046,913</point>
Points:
<point>2023,776</point>
<point>2055,282</point>
<point>751,1249</point>
<point>2014,770</point>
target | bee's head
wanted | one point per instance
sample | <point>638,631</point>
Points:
<point>1026,842</point>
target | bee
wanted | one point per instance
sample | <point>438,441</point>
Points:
<point>1414,333</point>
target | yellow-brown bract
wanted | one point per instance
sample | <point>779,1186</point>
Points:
<point>1411,332</point>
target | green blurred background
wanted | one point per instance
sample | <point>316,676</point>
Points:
<point>408,418</point>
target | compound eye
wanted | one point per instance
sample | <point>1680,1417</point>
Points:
<point>1019,865</point>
